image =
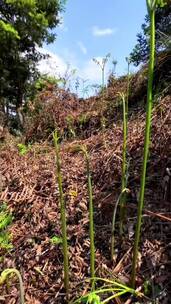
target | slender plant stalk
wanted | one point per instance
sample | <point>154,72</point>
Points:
<point>107,287</point>
<point>128,83</point>
<point>103,81</point>
<point>124,164</point>
<point>103,124</point>
<point>63,213</point>
<point>9,271</point>
<point>125,135</point>
<point>102,67</point>
<point>125,190</point>
<point>146,142</point>
<point>91,217</point>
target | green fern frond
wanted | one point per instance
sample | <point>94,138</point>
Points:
<point>5,221</point>
<point>5,241</point>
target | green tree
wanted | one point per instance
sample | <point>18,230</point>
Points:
<point>140,53</point>
<point>24,26</point>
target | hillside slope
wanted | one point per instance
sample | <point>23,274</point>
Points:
<point>28,186</point>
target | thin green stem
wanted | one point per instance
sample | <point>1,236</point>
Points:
<point>63,213</point>
<point>103,124</point>
<point>7,272</point>
<point>103,82</point>
<point>114,221</point>
<point>83,149</point>
<point>91,220</point>
<point>102,67</point>
<point>128,86</point>
<point>125,135</point>
<point>91,217</point>
<point>124,164</point>
<point>111,282</point>
<point>111,287</point>
<point>146,144</point>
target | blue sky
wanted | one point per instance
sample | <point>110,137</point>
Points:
<point>93,28</point>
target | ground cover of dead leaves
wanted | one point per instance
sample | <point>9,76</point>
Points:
<point>28,186</point>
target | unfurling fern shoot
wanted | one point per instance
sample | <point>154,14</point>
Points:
<point>63,213</point>
<point>8,272</point>
<point>151,5</point>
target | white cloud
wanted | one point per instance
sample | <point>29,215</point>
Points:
<point>90,71</point>
<point>82,47</point>
<point>53,65</point>
<point>96,31</point>
<point>56,66</point>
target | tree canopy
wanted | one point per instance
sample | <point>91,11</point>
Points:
<point>163,36</point>
<point>24,26</point>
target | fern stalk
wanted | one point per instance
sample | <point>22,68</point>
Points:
<point>102,67</point>
<point>128,84</point>
<point>124,163</point>
<point>91,220</point>
<point>9,271</point>
<point>103,83</point>
<point>91,216</point>
<point>63,213</point>
<point>146,142</point>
